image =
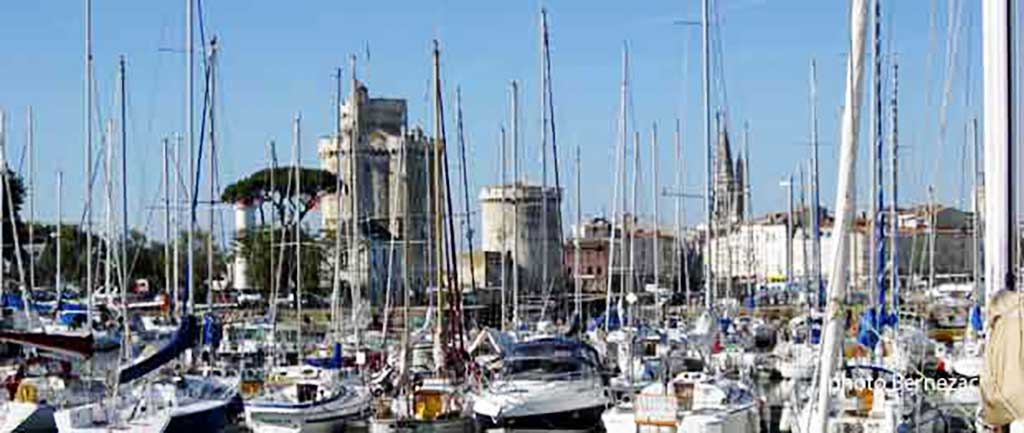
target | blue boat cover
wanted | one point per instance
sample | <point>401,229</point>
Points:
<point>977,322</point>
<point>183,339</point>
<point>598,322</point>
<point>212,331</point>
<point>869,327</point>
<point>333,363</point>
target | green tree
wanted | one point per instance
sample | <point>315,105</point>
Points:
<point>199,262</point>
<point>12,193</point>
<point>258,252</point>
<point>276,188</point>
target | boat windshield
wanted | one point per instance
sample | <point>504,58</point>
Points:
<point>549,368</point>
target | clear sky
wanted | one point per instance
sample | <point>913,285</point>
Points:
<point>277,59</point>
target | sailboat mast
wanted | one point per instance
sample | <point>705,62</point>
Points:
<point>504,230</point>
<point>894,226</point>
<point>297,137</point>
<point>617,213</point>
<point>124,206</point>
<point>578,276</point>
<point>336,280</point>
<point>654,201</point>
<point>190,120</point>
<point>876,245</point>
<point>804,260</point>
<point>931,235</point>
<point>88,164</point>
<point>515,202</point>
<point>176,199</point>
<point>748,208</point>
<point>355,106</point>
<point>819,290</point>
<point>681,255</point>
<point>29,145</point>
<point>976,271</point>
<point>636,219</point>
<point>464,169</point>
<point>406,232</point>
<point>544,159</point>
<point>58,281</point>
<point>438,202</point>
<point>789,229</point>
<point>212,167</point>
<point>108,210</point>
<point>709,287</point>
<point>166,180</point>
<point>845,205</point>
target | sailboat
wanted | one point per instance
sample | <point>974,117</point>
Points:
<point>305,398</point>
<point>432,399</point>
<point>146,396</point>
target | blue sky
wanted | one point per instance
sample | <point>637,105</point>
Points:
<point>277,59</point>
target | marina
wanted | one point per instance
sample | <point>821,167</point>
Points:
<point>392,266</point>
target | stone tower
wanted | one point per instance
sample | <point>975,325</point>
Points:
<point>387,154</point>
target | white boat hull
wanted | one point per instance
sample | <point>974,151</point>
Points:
<point>743,419</point>
<point>330,416</point>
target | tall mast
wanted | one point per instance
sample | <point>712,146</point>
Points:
<point>438,206</point>
<point>124,208</point>
<point>31,196</point>
<point>632,228</point>
<point>789,229</point>
<point>979,296</point>
<point>465,184</point>
<point>543,157</point>
<point>88,163</point>
<point>578,276</point>
<point>406,232</point>
<point>681,255</point>
<point>617,212</point>
<point>747,208</point>
<point>654,199</point>
<point>894,227</point>
<point>166,179</point>
<point>58,281</point>
<point>844,216</point>
<point>803,239</point>
<point>336,280</point>
<point>297,144</point>
<point>931,235</point>
<point>504,230</point>
<point>176,199</point>
<point>515,202</point>
<point>212,161</point>
<point>819,290</point>
<point>189,116</point>
<point>355,107</point>
<point>109,235</point>
<point>709,288</point>
<point>877,247</point>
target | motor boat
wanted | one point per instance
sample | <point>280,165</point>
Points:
<point>691,402</point>
<point>306,399</point>
<point>544,384</point>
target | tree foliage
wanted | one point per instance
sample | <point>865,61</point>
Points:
<point>260,254</point>
<point>276,186</point>
<point>12,193</point>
